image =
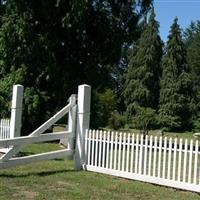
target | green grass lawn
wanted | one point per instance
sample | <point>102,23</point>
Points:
<point>57,179</point>
<point>184,135</point>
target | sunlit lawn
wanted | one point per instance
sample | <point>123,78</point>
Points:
<point>57,179</point>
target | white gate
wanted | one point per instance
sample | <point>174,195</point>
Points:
<point>15,144</point>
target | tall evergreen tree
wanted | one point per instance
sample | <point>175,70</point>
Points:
<point>192,40</point>
<point>175,83</point>
<point>142,82</point>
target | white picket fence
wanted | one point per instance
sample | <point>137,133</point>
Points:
<point>158,160</point>
<point>4,128</point>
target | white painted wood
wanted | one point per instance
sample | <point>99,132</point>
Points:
<point>71,124</point>
<point>89,147</point>
<point>115,157</point>
<point>120,149</point>
<point>83,121</point>
<point>185,160</point>
<point>150,179</point>
<point>16,111</point>
<point>180,159</point>
<point>35,158</point>
<point>104,148</point>
<point>111,150</point>
<point>150,155</point>
<point>169,159</point>
<point>96,147</point>
<point>93,143</point>
<point>86,147</point>
<point>100,149</point>
<point>155,156</point>
<point>132,151</point>
<point>190,162</point>
<point>196,162</point>
<point>52,120</point>
<point>128,152</point>
<point>164,157</point>
<point>174,160</point>
<point>145,155</point>
<point>136,154</point>
<point>107,150</point>
<point>141,154</point>
<point>159,157</point>
<point>34,139</point>
<point>38,131</point>
<point>124,150</point>
<point>4,128</point>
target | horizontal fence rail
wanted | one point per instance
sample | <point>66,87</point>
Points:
<point>35,139</point>
<point>159,160</point>
<point>4,128</point>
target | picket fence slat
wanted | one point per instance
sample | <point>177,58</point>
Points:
<point>185,160</point>
<point>111,151</point>
<point>190,162</point>
<point>89,147</point>
<point>132,151</point>
<point>4,128</point>
<point>159,156</point>
<point>196,162</point>
<point>174,160</point>
<point>170,162</point>
<point>96,147</point>
<point>100,148</point>
<point>155,155</point>
<point>180,159</point>
<point>128,152</point>
<point>150,155</point>
<point>141,154</point>
<point>145,154</point>
<point>108,144</point>
<point>115,157</point>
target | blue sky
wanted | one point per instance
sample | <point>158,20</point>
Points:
<point>167,10</point>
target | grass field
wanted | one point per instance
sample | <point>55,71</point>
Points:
<point>184,135</point>
<point>57,179</point>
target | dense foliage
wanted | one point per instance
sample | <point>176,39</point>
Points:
<point>51,47</point>
<point>142,82</point>
<point>175,93</point>
<point>192,41</point>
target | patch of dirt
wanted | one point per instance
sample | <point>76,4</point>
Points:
<point>26,194</point>
<point>62,183</point>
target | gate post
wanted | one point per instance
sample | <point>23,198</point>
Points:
<point>16,111</point>
<point>83,120</point>
<point>70,141</point>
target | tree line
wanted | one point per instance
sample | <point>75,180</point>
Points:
<point>51,47</point>
<point>161,88</point>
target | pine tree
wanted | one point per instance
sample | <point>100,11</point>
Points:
<point>192,40</point>
<point>175,83</point>
<point>142,82</point>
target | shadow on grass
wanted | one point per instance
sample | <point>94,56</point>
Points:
<point>40,174</point>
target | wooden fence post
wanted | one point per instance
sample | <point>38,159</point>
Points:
<point>83,120</point>
<point>69,142</point>
<point>16,111</point>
